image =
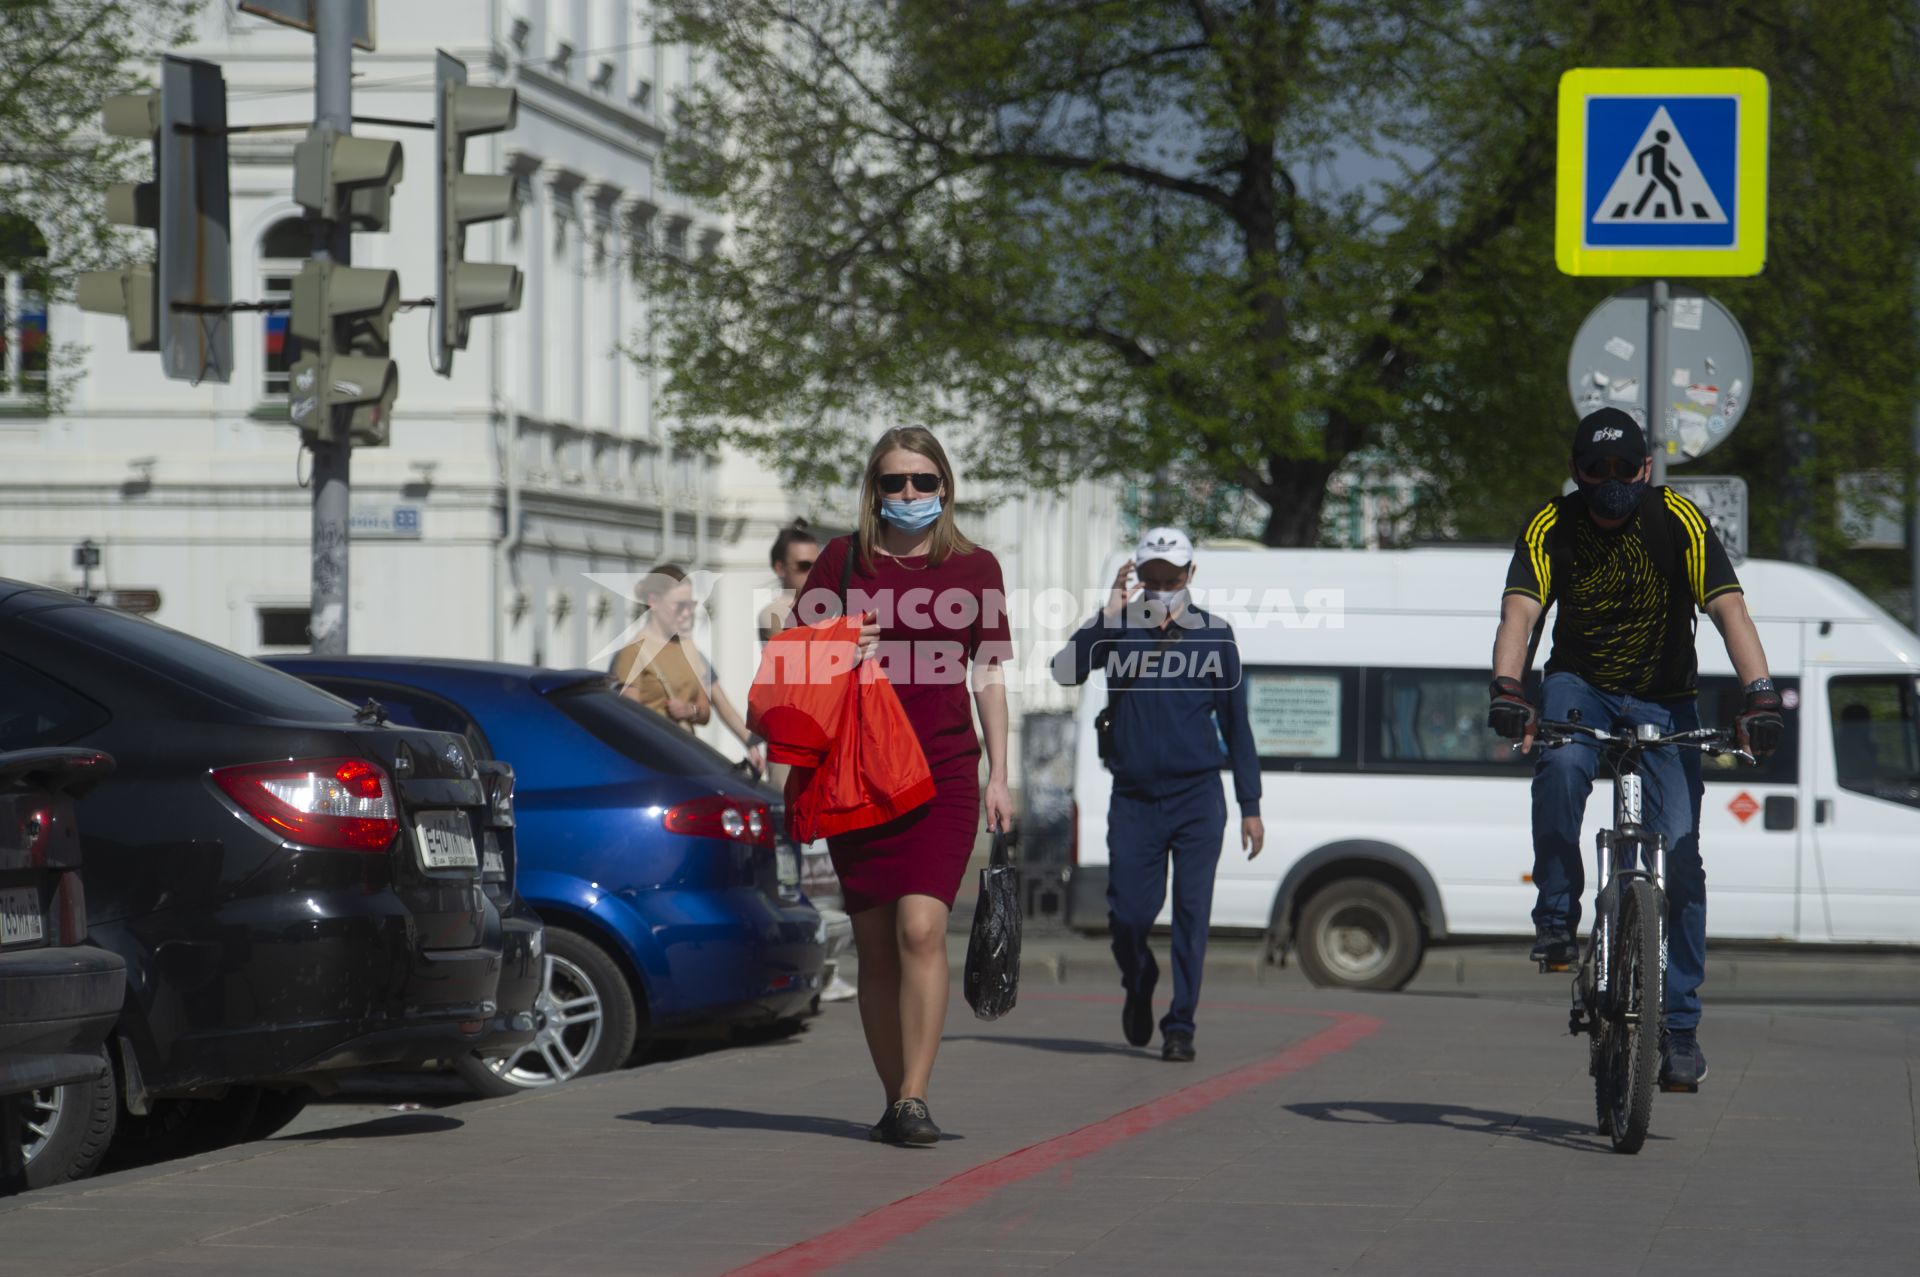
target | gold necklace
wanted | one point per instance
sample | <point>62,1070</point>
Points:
<point>902,560</point>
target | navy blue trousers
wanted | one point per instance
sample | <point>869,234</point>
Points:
<point>1142,834</point>
<point>1671,791</point>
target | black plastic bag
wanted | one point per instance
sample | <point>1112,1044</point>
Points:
<point>993,951</point>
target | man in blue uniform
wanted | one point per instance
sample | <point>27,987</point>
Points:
<point>1176,715</point>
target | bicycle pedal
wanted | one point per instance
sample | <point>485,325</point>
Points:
<point>1555,968</point>
<point>1672,1088</point>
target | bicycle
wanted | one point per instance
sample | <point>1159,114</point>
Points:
<point>1619,991</point>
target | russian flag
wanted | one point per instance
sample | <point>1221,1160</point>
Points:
<point>276,333</point>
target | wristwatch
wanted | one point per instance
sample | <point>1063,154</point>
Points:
<point>1760,685</point>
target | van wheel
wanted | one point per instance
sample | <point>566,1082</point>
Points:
<point>67,1130</point>
<point>1359,934</point>
<point>591,1023</point>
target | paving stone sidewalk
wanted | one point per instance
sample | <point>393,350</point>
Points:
<point>1453,1135</point>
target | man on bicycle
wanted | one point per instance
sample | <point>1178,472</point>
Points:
<point>1628,563</point>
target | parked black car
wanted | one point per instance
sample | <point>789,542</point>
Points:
<point>295,886</point>
<point>522,938</point>
<point>59,996</point>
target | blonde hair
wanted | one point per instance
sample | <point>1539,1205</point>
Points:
<point>946,537</point>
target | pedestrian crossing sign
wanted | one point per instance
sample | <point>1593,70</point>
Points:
<point>1663,171</point>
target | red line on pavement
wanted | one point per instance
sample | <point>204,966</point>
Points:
<point>969,1188</point>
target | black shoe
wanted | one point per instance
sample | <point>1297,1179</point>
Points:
<point>1136,1018</point>
<point>1553,947</point>
<point>881,1132</point>
<point>912,1123</point>
<point>1178,1048</point>
<point>1683,1065</point>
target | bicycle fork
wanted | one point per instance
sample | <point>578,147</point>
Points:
<point>1618,852</point>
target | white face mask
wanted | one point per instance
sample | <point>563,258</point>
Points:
<point>1168,599</point>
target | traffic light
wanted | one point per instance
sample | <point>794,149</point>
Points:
<point>176,303</point>
<point>464,289</point>
<point>343,384</point>
<point>349,179</point>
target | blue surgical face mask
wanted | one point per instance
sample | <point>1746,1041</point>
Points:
<point>911,515</point>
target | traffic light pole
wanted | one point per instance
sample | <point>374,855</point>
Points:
<point>332,454</point>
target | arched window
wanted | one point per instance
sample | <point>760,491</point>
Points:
<point>24,339</point>
<point>283,249</point>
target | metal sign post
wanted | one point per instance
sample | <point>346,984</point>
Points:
<point>1657,365</point>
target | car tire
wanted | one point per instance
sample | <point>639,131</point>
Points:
<point>78,1120</point>
<point>1359,933</point>
<point>591,1023</point>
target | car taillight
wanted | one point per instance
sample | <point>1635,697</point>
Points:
<point>341,803</point>
<point>719,816</point>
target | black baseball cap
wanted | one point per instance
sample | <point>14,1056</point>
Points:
<point>1609,432</point>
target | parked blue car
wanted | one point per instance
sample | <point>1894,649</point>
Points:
<point>667,883</point>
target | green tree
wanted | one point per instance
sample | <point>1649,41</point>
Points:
<point>62,59</point>
<point>1219,247</point>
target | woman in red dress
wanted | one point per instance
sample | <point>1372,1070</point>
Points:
<point>936,621</point>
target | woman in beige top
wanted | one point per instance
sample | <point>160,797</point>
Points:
<point>663,670</point>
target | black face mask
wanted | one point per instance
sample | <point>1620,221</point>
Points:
<point>1614,499</point>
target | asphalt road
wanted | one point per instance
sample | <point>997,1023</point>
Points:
<point>1423,1132</point>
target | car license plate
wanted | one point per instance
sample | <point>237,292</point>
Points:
<point>446,840</point>
<point>20,921</point>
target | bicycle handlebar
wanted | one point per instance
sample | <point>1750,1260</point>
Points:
<point>1713,741</point>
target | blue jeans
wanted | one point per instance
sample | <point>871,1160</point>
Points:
<point>1671,793</point>
<point>1141,833</point>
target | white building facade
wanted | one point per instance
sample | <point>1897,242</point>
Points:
<point>541,463</point>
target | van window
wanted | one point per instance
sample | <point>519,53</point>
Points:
<point>1720,700</point>
<point>1876,736</point>
<point>1435,721</point>
<point>1304,718</point>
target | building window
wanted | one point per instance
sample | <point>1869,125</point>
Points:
<point>24,341</point>
<point>283,250</point>
<point>284,627</point>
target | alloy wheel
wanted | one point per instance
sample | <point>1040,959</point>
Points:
<point>570,1036</point>
<point>43,1117</point>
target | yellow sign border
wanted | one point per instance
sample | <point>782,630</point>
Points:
<point>1748,256</point>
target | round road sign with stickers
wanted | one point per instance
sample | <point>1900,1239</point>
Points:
<point>1709,377</point>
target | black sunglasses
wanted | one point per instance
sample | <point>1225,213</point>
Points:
<point>1600,469</point>
<point>804,565</point>
<point>922,482</point>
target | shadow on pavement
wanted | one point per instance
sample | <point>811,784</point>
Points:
<point>1063,1046</point>
<point>1538,1130</point>
<point>745,1120</point>
<point>381,1128</point>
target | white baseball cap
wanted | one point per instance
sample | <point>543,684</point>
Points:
<point>1170,544</point>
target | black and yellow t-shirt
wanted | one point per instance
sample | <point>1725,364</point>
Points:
<point>1627,595</point>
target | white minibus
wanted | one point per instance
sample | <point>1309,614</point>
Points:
<point>1395,819</point>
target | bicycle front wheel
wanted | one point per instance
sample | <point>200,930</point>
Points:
<point>1639,995</point>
